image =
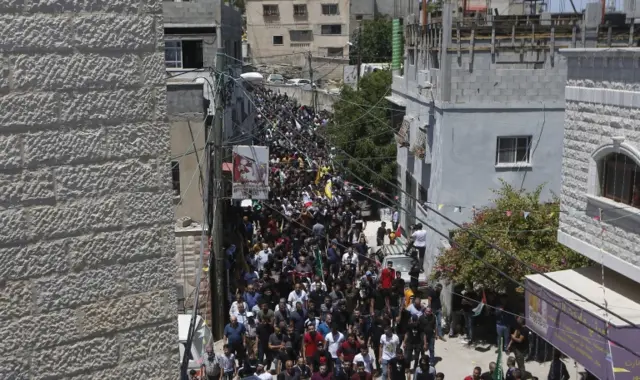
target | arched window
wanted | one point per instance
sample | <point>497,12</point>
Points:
<point>620,179</point>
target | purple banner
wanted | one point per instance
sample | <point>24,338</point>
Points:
<point>556,320</point>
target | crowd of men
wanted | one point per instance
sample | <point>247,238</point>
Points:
<point>315,302</point>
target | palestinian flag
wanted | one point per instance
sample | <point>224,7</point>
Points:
<point>478,309</point>
<point>400,232</point>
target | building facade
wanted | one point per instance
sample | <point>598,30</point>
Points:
<point>195,33</point>
<point>282,31</point>
<point>600,208</point>
<point>86,249</point>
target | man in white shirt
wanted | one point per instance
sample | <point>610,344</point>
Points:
<point>333,341</point>
<point>298,295</point>
<point>389,342</point>
<point>364,357</point>
<point>419,240</point>
<point>262,374</point>
<point>262,258</point>
<point>241,314</point>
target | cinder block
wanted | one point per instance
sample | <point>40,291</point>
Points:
<point>148,208</point>
<point>155,274</point>
<point>59,6</point>
<point>58,147</point>
<point>15,299</point>
<point>123,105</point>
<point>33,260</point>
<point>112,31</point>
<point>41,331</point>
<point>160,96</point>
<point>29,109</point>
<point>78,71</point>
<point>153,69</point>
<point>158,29</point>
<point>75,182</point>
<point>14,227</point>
<point>138,345</point>
<point>116,247</point>
<point>75,289</point>
<point>138,140</point>
<point>60,361</point>
<point>14,365</point>
<point>10,152</point>
<point>37,186</point>
<point>76,217</point>
<point>127,312</point>
<point>37,32</point>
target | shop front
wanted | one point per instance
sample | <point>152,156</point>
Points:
<point>579,329</point>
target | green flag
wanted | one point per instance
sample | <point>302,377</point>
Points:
<point>498,373</point>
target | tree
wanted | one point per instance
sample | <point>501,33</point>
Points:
<point>360,127</point>
<point>531,238</point>
<point>373,41</point>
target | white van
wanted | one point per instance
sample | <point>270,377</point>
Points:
<point>201,338</point>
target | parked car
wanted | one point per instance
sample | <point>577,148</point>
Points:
<point>300,82</point>
<point>275,79</point>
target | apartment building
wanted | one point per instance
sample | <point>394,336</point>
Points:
<point>194,33</point>
<point>285,31</point>
<point>480,100</point>
<point>600,219</point>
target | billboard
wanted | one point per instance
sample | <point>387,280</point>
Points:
<point>555,320</point>
<point>250,178</point>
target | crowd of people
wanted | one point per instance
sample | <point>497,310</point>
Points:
<point>314,301</point>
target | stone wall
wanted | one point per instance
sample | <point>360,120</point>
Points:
<point>602,116</point>
<point>305,97</point>
<point>87,286</point>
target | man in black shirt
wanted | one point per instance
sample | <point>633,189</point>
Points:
<point>414,342</point>
<point>427,324</point>
<point>382,231</point>
<point>519,342</point>
<point>402,325</point>
<point>397,367</point>
<point>263,332</point>
<point>436,307</point>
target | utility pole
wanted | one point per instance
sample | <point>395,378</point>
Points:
<point>359,47</point>
<point>313,88</point>
<point>218,275</point>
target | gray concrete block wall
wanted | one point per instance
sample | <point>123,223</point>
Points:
<point>500,79</point>
<point>191,12</point>
<point>616,73</point>
<point>86,243</point>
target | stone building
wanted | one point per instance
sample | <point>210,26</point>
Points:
<point>86,244</point>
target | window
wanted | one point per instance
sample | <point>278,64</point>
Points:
<point>358,17</point>
<point>513,150</point>
<point>335,52</point>
<point>175,177</point>
<point>278,40</point>
<point>621,179</point>
<point>299,9</point>
<point>301,35</point>
<point>412,56</point>
<point>185,54</point>
<point>270,10</point>
<point>423,194</point>
<point>330,9</point>
<point>331,29</point>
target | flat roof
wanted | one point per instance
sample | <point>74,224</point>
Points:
<point>622,294</point>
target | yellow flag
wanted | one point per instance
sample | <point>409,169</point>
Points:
<point>317,181</point>
<point>327,190</point>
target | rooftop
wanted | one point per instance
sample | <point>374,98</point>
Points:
<point>621,293</point>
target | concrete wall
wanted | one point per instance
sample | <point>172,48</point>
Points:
<point>261,29</point>
<point>187,122</point>
<point>305,97</point>
<point>602,117</point>
<point>205,12</point>
<point>86,249</point>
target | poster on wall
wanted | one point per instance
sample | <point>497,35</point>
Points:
<point>250,172</point>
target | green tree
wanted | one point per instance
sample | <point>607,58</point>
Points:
<point>373,41</point>
<point>360,127</point>
<point>532,239</point>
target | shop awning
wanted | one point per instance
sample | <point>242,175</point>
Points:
<point>553,313</point>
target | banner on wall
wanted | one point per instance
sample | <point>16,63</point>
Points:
<point>250,172</point>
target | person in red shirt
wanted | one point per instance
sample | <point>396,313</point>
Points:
<point>312,339</point>
<point>476,374</point>
<point>349,348</point>
<point>387,275</point>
